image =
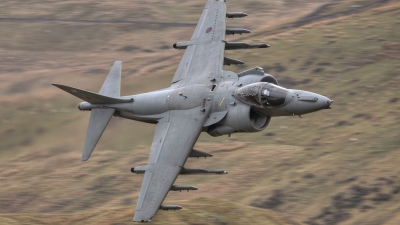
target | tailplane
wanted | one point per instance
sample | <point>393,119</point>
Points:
<point>91,97</point>
<point>99,117</point>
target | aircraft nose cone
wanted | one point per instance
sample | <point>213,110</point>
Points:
<point>323,102</point>
<point>329,102</point>
<point>308,102</point>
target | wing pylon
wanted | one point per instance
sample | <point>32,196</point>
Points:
<point>183,188</point>
<point>236,14</point>
<point>184,171</point>
<point>228,45</point>
<point>234,31</point>
<point>230,61</point>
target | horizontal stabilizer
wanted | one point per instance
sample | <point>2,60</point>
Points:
<point>170,207</point>
<point>202,171</point>
<point>98,121</point>
<point>236,31</point>
<point>196,154</point>
<point>182,188</point>
<point>235,14</point>
<point>244,45</point>
<point>230,61</point>
<point>92,97</point>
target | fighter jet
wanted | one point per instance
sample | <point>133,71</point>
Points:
<point>202,98</point>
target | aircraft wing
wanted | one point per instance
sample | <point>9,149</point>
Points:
<point>204,55</point>
<point>173,141</point>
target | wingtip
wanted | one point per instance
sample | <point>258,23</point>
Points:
<point>142,217</point>
<point>84,158</point>
<point>59,86</point>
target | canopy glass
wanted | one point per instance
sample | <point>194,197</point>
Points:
<point>262,95</point>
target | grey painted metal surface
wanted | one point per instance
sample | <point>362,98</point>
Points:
<point>202,98</point>
<point>244,45</point>
<point>234,31</point>
<point>98,121</point>
<point>182,188</point>
<point>230,61</point>
<point>92,97</point>
<point>197,154</point>
<point>235,14</point>
<point>112,85</point>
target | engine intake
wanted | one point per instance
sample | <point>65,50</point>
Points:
<point>239,119</point>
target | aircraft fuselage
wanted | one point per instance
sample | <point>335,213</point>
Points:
<point>228,95</point>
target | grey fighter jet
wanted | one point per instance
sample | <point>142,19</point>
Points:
<point>202,98</point>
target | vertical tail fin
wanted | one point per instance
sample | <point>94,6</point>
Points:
<point>99,117</point>
<point>112,85</point>
<point>109,94</point>
<point>98,121</point>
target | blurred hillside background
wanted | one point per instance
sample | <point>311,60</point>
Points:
<point>337,166</point>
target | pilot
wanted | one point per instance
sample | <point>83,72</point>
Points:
<point>262,94</point>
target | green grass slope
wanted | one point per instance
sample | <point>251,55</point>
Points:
<point>335,166</point>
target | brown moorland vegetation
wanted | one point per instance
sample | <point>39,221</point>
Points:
<point>330,167</point>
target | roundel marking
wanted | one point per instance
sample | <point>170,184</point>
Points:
<point>208,30</point>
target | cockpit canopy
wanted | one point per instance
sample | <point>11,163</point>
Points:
<point>262,94</point>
